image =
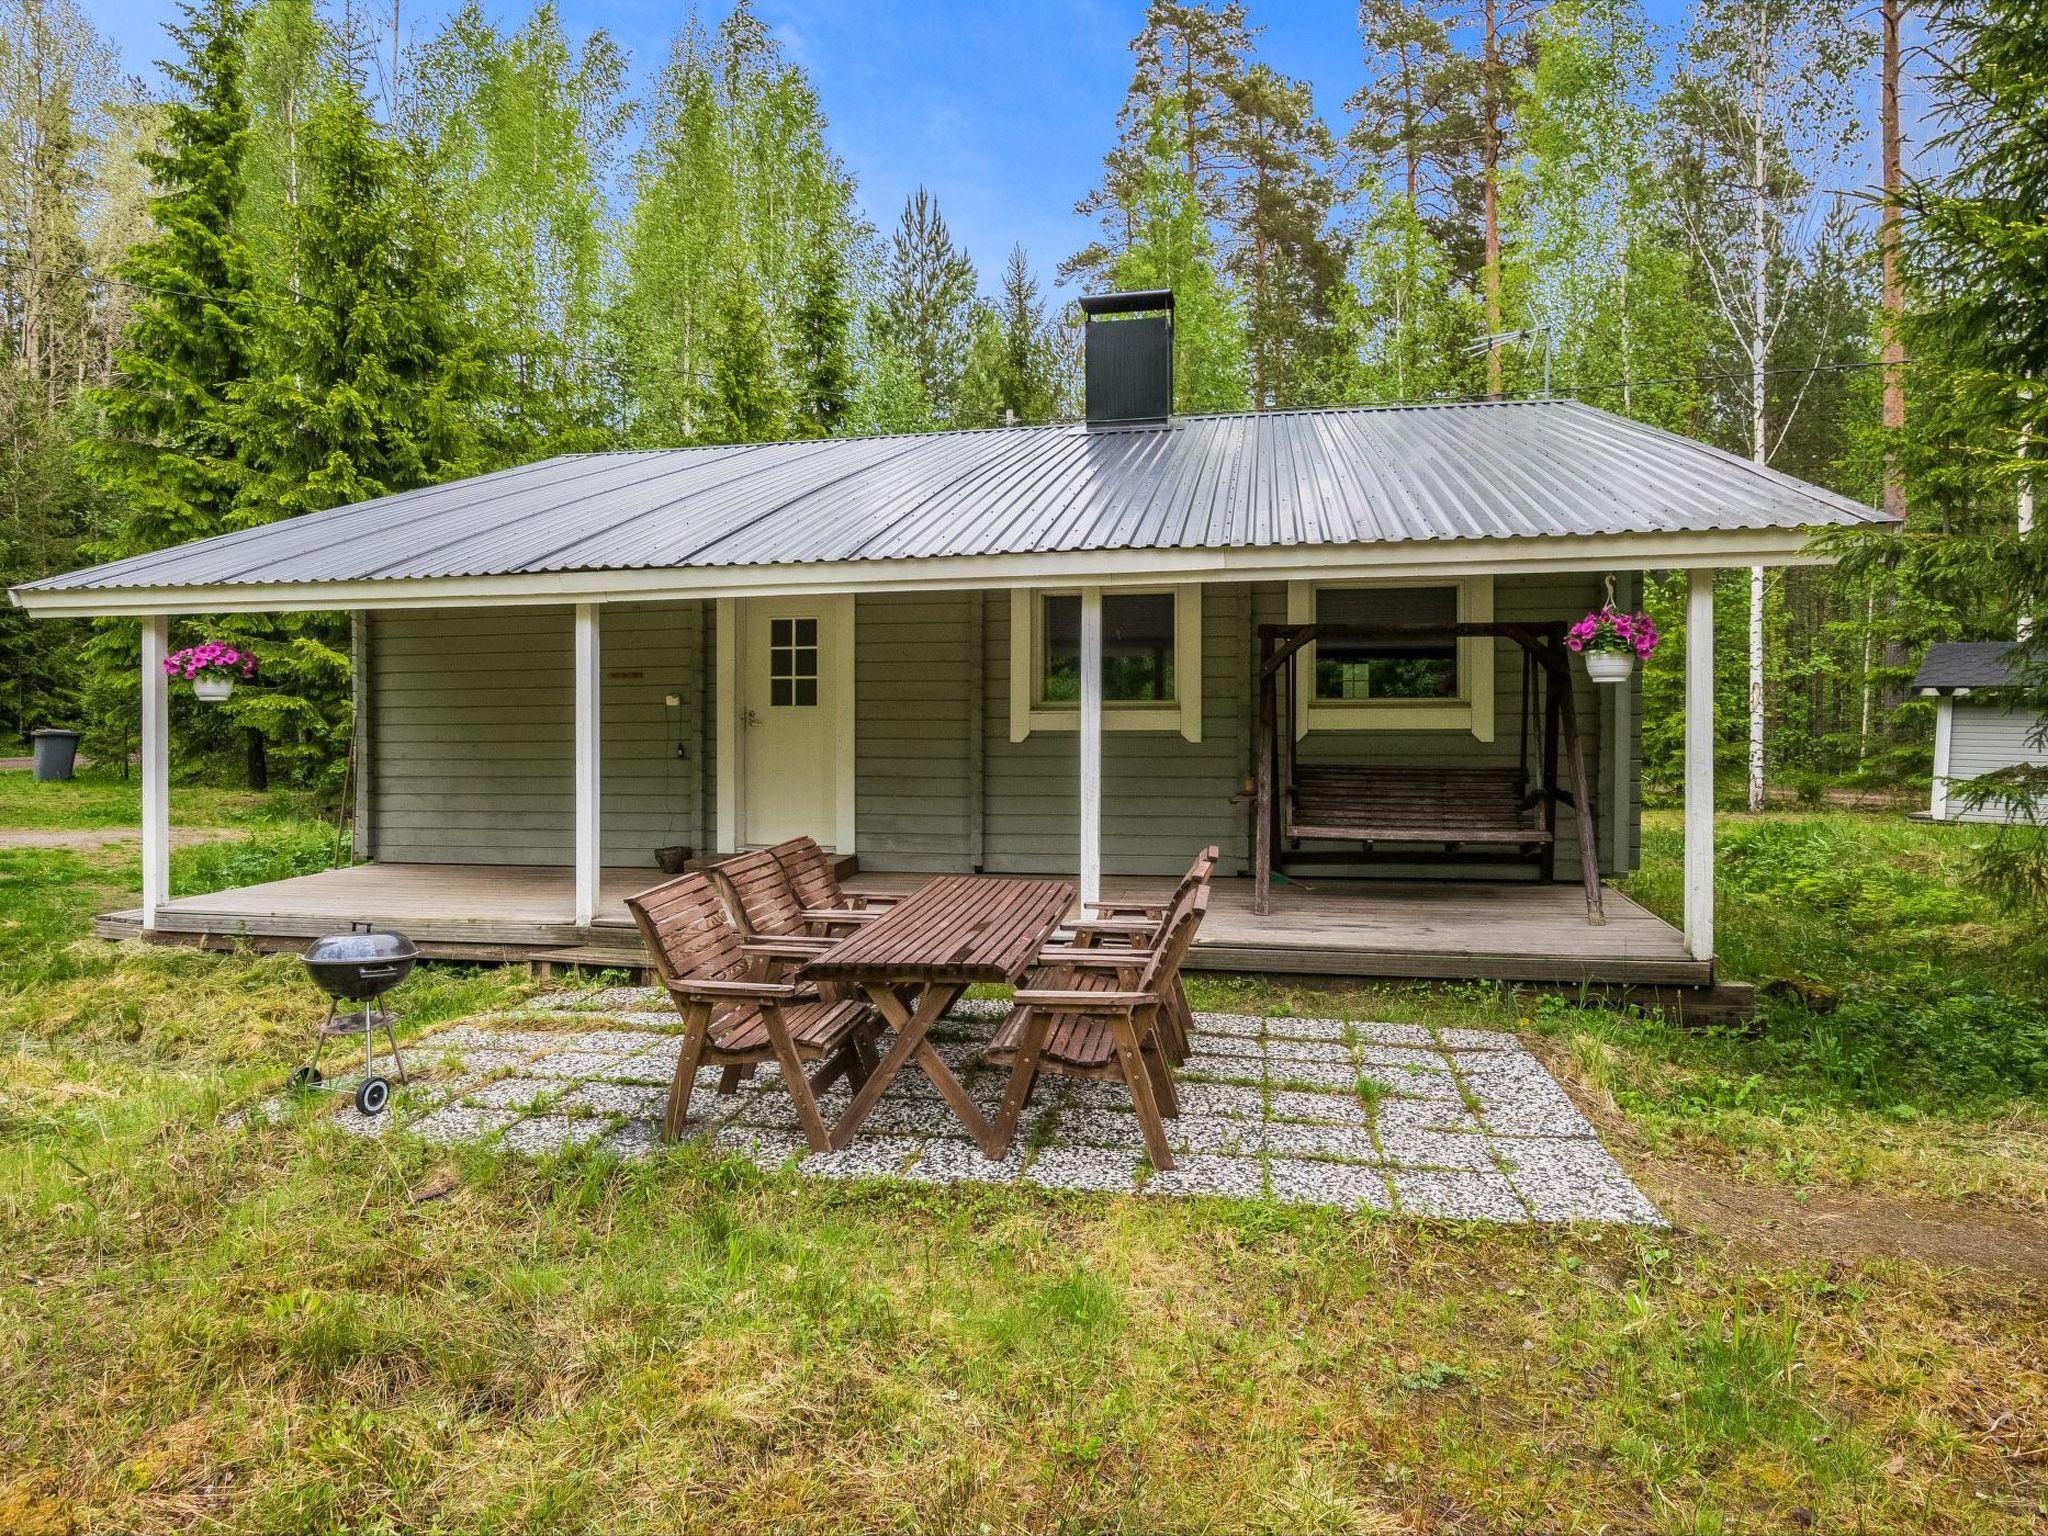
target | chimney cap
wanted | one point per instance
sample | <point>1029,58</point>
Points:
<point>1136,301</point>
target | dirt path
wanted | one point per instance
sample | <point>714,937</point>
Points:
<point>85,839</point>
<point>1771,1221</point>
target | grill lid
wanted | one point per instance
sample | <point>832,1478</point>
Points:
<point>356,948</point>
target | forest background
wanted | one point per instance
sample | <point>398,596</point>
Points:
<point>330,258</point>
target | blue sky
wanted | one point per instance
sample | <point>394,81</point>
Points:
<point>1003,109</point>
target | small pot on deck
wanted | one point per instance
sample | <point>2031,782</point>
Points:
<point>1610,666</point>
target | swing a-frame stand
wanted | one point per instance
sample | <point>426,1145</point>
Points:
<point>1486,813</point>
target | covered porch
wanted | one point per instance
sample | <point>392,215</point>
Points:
<point>1438,930</point>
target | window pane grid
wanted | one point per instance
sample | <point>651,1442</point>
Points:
<point>792,663</point>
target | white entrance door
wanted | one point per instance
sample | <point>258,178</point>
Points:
<point>795,719</point>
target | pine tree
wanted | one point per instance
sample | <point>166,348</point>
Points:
<point>927,302</point>
<point>1288,265</point>
<point>1416,119</point>
<point>1177,105</point>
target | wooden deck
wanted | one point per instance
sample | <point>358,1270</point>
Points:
<point>1447,930</point>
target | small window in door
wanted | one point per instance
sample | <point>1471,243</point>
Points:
<point>793,663</point>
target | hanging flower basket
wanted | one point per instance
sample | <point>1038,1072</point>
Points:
<point>1611,640</point>
<point>212,669</point>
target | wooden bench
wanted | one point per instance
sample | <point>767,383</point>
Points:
<point>1456,808</point>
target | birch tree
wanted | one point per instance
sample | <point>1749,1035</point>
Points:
<point>1768,84</point>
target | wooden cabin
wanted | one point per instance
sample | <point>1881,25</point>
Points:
<point>1327,641</point>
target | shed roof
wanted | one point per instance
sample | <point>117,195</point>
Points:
<point>1366,476</point>
<point>1954,664</point>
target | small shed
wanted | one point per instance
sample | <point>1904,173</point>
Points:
<point>1982,722</point>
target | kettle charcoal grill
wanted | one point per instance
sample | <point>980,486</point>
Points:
<point>358,967</point>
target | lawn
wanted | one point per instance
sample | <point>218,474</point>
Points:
<point>281,1328</point>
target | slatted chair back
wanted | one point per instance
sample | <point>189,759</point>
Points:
<point>762,900</point>
<point>1176,934</point>
<point>808,868</point>
<point>686,929</point>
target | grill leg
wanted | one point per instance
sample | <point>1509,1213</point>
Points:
<point>320,1040</point>
<point>396,1056</point>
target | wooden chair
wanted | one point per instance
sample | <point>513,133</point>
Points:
<point>1088,1023</point>
<point>762,902</point>
<point>1140,921</point>
<point>737,1016</point>
<point>1140,928</point>
<point>815,883</point>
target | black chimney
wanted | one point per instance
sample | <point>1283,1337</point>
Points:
<point>1128,362</point>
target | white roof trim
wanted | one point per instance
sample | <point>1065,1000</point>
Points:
<point>1419,558</point>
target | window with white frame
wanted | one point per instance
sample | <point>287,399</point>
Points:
<point>1414,674</point>
<point>1151,661</point>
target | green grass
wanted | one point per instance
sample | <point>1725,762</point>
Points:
<point>103,797</point>
<point>276,1327</point>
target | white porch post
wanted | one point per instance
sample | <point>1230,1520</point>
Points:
<point>156,770</point>
<point>1944,740</point>
<point>1091,744</point>
<point>588,843</point>
<point>1699,764</point>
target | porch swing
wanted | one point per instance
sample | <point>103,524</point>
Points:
<point>1448,813</point>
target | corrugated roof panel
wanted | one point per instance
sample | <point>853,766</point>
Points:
<point>1353,476</point>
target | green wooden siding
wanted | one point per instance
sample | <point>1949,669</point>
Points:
<point>1163,796</point>
<point>470,718</point>
<point>917,704</point>
<point>472,714</point>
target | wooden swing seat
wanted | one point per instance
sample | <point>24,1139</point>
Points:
<point>1454,807</point>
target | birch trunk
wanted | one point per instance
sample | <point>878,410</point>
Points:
<point>1888,244</point>
<point>1759,337</point>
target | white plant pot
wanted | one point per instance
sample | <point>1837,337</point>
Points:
<point>212,686</point>
<point>1609,666</point>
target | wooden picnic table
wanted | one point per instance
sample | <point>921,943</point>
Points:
<point>920,955</point>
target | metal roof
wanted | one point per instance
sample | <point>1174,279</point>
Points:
<point>1342,477</point>
<point>1956,664</point>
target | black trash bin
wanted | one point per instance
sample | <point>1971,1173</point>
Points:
<point>56,754</point>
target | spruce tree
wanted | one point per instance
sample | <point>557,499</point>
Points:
<point>167,456</point>
<point>373,372</point>
<point>820,356</point>
<point>927,302</point>
<point>746,402</point>
<point>371,386</point>
<point>165,450</point>
<point>1011,358</point>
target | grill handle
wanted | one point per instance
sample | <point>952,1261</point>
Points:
<point>378,972</point>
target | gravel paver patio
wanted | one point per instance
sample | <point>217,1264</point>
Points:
<point>1454,1123</point>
